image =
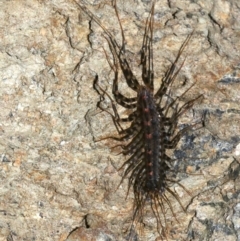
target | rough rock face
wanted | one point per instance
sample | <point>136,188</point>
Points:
<point>56,183</point>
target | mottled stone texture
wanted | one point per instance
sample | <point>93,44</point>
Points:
<point>56,183</point>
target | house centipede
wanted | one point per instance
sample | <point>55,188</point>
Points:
<point>153,123</point>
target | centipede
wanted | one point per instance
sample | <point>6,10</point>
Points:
<point>153,123</point>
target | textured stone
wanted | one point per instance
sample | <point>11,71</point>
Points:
<point>56,183</point>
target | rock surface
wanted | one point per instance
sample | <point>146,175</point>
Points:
<point>56,183</point>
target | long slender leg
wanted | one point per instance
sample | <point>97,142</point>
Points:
<point>172,123</point>
<point>173,143</point>
<point>119,50</point>
<point>186,106</point>
<point>147,52</point>
<point>126,102</point>
<point>101,92</point>
<point>127,72</point>
<point>171,74</point>
<point>129,132</point>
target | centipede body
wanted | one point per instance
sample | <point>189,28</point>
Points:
<point>153,123</point>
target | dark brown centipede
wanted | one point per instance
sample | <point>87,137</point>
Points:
<point>153,123</point>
